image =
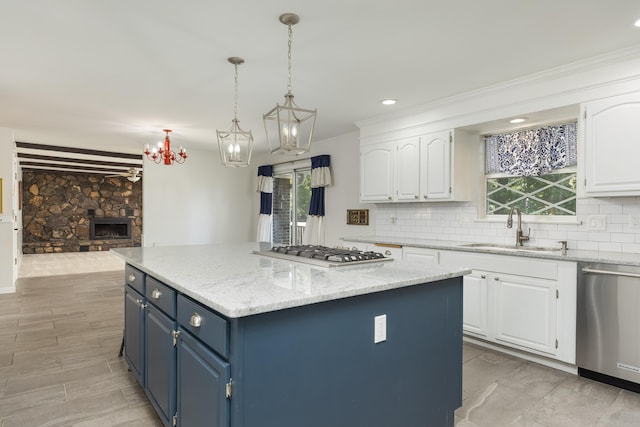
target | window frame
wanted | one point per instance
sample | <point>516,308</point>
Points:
<point>540,219</point>
<point>291,168</point>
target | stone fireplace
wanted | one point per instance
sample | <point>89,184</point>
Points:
<point>75,212</point>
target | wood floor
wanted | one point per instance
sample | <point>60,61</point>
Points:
<point>60,337</point>
<point>59,364</point>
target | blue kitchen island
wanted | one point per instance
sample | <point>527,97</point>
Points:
<point>220,336</point>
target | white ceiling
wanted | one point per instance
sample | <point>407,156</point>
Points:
<point>112,74</point>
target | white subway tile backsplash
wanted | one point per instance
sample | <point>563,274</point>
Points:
<point>607,208</point>
<point>458,222</point>
<point>623,237</point>
<point>631,248</point>
<point>610,247</point>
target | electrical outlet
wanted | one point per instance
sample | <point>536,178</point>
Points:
<point>379,328</point>
<point>634,221</point>
<point>597,222</point>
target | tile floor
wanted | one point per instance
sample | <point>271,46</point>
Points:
<point>38,265</point>
<point>60,337</point>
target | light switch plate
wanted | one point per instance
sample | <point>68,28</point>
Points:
<point>380,328</point>
<point>597,222</point>
<point>634,221</point>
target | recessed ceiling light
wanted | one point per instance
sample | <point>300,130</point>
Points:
<point>389,101</point>
<point>517,120</point>
<point>637,24</point>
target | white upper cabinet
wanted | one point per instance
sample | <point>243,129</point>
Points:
<point>448,166</point>
<point>428,168</point>
<point>435,166</point>
<point>390,172</point>
<point>376,173</point>
<point>407,169</point>
<point>612,146</point>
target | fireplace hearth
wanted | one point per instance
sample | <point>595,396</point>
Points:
<point>110,228</point>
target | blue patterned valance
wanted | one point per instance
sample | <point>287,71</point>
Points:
<point>532,152</point>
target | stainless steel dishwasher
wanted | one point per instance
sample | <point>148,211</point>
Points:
<point>608,324</point>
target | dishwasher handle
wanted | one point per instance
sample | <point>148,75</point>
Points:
<point>610,273</point>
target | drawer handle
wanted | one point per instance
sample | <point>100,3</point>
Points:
<point>196,320</point>
<point>155,294</point>
<point>484,276</point>
<point>132,278</point>
<point>497,279</point>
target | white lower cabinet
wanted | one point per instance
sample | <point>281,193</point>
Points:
<point>524,303</point>
<point>423,255</point>
<point>475,311</point>
<point>525,312</point>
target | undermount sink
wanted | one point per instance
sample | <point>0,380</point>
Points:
<point>495,246</point>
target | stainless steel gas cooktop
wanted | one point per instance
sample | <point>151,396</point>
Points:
<point>323,256</point>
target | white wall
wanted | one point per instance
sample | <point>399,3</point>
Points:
<point>7,225</point>
<point>343,194</point>
<point>198,202</point>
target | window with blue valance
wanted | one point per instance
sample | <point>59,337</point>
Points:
<point>532,152</point>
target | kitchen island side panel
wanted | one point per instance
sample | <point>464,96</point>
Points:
<point>318,365</point>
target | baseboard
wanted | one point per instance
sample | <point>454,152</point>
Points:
<point>556,364</point>
<point>8,290</point>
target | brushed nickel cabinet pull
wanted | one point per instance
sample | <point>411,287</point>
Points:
<point>196,320</point>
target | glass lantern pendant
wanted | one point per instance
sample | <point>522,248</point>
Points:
<point>289,128</point>
<point>235,144</point>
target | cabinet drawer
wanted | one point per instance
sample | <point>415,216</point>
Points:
<point>134,278</point>
<point>207,326</point>
<point>162,296</point>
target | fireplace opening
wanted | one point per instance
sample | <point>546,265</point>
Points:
<point>110,228</point>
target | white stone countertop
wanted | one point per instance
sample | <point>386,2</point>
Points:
<point>620,258</point>
<point>233,281</point>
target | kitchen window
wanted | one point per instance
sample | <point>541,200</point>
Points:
<point>291,197</point>
<point>533,170</point>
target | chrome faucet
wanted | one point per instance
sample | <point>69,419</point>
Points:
<point>520,236</point>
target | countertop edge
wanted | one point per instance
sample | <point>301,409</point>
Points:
<point>573,255</point>
<point>442,273</point>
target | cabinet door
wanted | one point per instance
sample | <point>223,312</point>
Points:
<point>425,256</point>
<point>134,332</point>
<point>435,166</point>
<point>525,312</point>
<point>612,149</point>
<point>202,382</point>
<point>389,251</point>
<point>475,298</point>
<point>161,363</point>
<point>407,166</point>
<point>376,173</point>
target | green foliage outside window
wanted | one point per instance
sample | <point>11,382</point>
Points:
<point>552,194</point>
<point>303,195</point>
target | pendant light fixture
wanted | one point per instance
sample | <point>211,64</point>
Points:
<point>163,153</point>
<point>235,144</point>
<point>289,128</point>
